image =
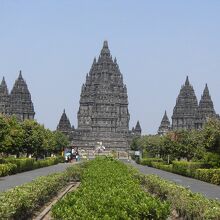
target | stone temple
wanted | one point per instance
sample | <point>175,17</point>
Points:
<point>18,102</point>
<point>187,113</point>
<point>103,114</point>
<point>165,125</point>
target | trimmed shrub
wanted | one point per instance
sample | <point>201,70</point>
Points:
<point>109,191</point>
<point>148,161</point>
<point>7,169</point>
<point>162,166</point>
<point>45,162</point>
<point>208,175</point>
<point>186,168</point>
<point>188,205</point>
<point>23,164</point>
<point>18,165</point>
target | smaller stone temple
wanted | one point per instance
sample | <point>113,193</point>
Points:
<point>185,110</point>
<point>187,113</point>
<point>164,125</point>
<point>4,98</point>
<point>18,102</point>
<point>137,130</point>
<point>64,125</point>
<point>205,109</point>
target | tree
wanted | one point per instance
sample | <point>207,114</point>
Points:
<point>211,136</point>
<point>15,136</point>
<point>4,130</point>
<point>33,138</point>
<point>49,142</point>
<point>61,141</point>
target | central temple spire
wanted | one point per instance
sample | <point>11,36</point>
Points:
<point>187,81</point>
<point>105,52</point>
<point>103,114</point>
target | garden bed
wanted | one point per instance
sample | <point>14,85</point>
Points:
<point>22,201</point>
<point>109,190</point>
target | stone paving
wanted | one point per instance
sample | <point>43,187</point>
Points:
<point>209,190</point>
<point>8,182</point>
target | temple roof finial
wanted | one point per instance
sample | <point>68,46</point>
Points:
<point>3,86</point>
<point>187,81</point>
<point>20,75</point>
<point>165,117</point>
<point>3,83</point>
<point>105,52</point>
<point>105,44</point>
<point>138,126</point>
<point>206,91</point>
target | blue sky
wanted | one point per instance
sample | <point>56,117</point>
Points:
<point>157,44</point>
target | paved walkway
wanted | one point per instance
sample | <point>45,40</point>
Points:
<point>207,189</point>
<point>8,182</point>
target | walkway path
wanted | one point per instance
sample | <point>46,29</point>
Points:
<point>8,182</point>
<point>207,189</point>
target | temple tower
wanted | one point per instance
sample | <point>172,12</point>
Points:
<point>4,98</point>
<point>206,109</point>
<point>64,125</point>
<point>164,125</point>
<point>103,112</point>
<point>137,130</point>
<point>20,100</point>
<point>185,110</point>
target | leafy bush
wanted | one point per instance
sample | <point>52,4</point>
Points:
<point>211,160</point>
<point>188,205</point>
<point>186,168</point>
<point>20,202</point>
<point>148,161</point>
<point>7,169</point>
<point>108,190</point>
<point>208,175</point>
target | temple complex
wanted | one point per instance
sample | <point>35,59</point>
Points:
<point>18,102</point>
<point>103,115</point>
<point>187,113</point>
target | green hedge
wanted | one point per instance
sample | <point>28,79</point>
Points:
<point>17,165</point>
<point>188,205</point>
<point>46,162</point>
<point>208,175</point>
<point>148,161</point>
<point>108,190</point>
<point>23,164</point>
<point>162,166</point>
<point>186,168</point>
<point>7,169</point>
<point>20,202</point>
<point>190,169</point>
